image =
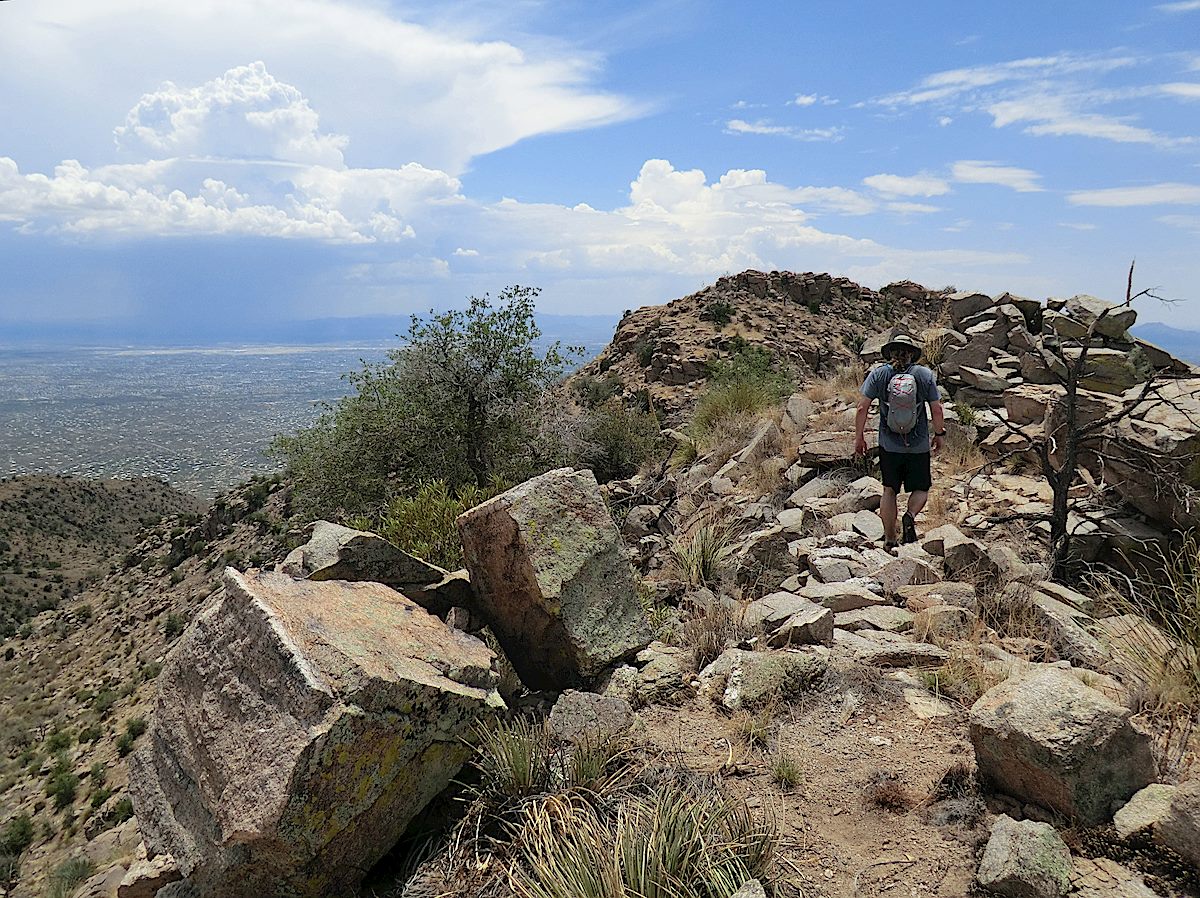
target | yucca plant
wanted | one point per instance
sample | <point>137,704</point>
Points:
<point>514,759</point>
<point>679,841</point>
<point>703,557</point>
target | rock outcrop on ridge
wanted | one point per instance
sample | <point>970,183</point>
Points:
<point>299,727</point>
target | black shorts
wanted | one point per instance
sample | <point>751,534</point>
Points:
<point>908,468</point>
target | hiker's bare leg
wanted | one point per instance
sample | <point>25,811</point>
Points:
<point>916,501</point>
<point>887,514</point>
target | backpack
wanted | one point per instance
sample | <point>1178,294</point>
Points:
<point>902,402</point>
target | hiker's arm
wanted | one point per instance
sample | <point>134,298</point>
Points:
<point>860,424</point>
<point>937,415</point>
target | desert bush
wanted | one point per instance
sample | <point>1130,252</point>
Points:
<point>593,391</point>
<point>173,625</point>
<point>960,453</point>
<point>423,523</point>
<point>614,440</point>
<point>62,786</point>
<point>886,790</point>
<point>709,631</point>
<point>967,415</point>
<point>455,403</point>
<point>746,383</point>
<point>122,811</point>
<point>963,678</point>
<point>135,726</point>
<point>514,759</point>
<point>756,727</point>
<point>845,383</point>
<point>679,841</point>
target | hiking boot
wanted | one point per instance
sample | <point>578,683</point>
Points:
<point>910,528</point>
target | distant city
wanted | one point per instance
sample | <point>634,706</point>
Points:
<point>200,417</point>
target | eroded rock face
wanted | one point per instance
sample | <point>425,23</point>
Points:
<point>1046,738</point>
<point>299,728</point>
<point>553,580</point>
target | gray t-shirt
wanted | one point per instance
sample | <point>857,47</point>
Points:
<point>875,387</point>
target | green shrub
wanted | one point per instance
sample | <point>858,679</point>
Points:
<point>173,625</point>
<point>58,741</point>
<point>122,810</point>
<point>719,312</point>
<point>702,557</point>
<point>745,383</point>
<point>104,701</point>
<point>424,522</point>
<point>62,786</point>
<point>124,744</point>
<point>17,836</point>
<point>967,414</point>
<point>454,404</point>
<point>643,351</point>
<point>592,391</point>
<point>135,726</point>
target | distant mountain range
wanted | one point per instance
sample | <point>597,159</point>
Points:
<point>1180,343</point>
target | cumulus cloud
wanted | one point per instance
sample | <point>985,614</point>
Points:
<point>763,126</point>
<point>1023,180</point>
<point>244,113</point>
<point>1145,195</point>
<point>911,185</point>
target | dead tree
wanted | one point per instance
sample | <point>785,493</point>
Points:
<point>1069,436</point>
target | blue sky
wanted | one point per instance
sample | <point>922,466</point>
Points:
<point>250,161</point>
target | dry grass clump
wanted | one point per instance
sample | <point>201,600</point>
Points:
<point>959,453</point>
<point>756,727</point>
<point>963,678</point>
<point>887,791</point>
<point>958,781</point>
<point>845,383</point>
<point>785,769</point>
<point>710,631</point>
<point>935,341</point>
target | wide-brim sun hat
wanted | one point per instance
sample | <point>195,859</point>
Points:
<point>901,341</point>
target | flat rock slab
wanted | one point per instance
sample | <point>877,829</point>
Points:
<point>1047,739</point>
<point>335,552</point>
<point>1104,878</point>
<point>1179,828</point>
<point>949,592</point>
<point>553,579</point>
<point>874,648</point>
<point>878,617</point>
<point>845,596</point>
<point>299,727</point>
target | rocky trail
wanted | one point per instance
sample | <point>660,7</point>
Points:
<point>942,719</point>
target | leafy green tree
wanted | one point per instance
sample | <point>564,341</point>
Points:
<point>456,403</point>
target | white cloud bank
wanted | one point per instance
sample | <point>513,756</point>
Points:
<point>404,90</point>
<point>1022,180</point>
<point>912,185</point>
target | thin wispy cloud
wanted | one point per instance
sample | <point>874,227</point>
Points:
<point>910,185</point>
<point>1050,96</point>
<point>1189,90</point>
<point>803,100</point>
<point>765,127</point>
<point>1180,6</point>
<point>1022,180</point>
<point>1145,195</point>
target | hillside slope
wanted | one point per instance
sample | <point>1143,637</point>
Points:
<point>59,533</point>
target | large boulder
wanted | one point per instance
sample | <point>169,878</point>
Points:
<point>1179,828</point>
<point>1046,738</point>
<point>335,552</point>
<point>1104,370</point>
<point>553,581</point>
<point>963,305</point>
<point>746,680</point>
<point>299,728</point>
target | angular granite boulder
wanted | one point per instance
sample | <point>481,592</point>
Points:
<point>299,727</point>
<point>553,579</point>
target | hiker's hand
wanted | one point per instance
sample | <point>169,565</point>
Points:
<point>938,442</point>
<point>860,445</point>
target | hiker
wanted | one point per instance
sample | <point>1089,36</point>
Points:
<point>903,388</point>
